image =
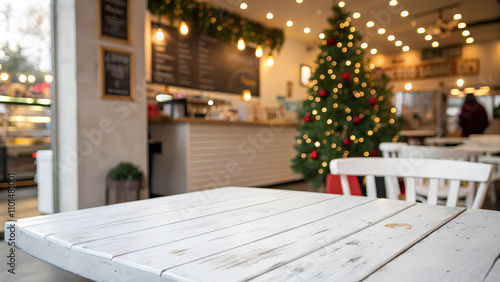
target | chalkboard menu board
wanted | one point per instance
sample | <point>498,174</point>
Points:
<point>202,62</point>
<point>117,74</point>
<point>114,19</point>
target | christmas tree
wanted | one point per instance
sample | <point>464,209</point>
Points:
<point>348,112</point>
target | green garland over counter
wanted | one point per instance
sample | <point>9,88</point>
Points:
<point>203,18</point>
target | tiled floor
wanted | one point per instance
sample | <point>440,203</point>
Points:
<point>30,269</point>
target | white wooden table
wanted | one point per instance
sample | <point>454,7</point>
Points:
<point>233,234</point>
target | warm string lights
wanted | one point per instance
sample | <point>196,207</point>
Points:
<point>339,81</point>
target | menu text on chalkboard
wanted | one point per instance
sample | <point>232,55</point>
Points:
<point>202,62</point>
<point>118,78</point>
<point>114,18</point>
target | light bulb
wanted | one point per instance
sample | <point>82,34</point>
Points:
<point>460,82</point>
<point>4,76</point>
<point>31,78</point>
<point>269,16</point>
<point>241,44</point>
<point>356,15</point>
<point>393,3</point>
<point>289,23</point>
<point>408,86</point>
<point>247,95</point>
<point>398,43</point>
<point>243,6</point>
<point>461,25</point>
<point>364,45</point>
<point>406,48</point>
<point>428,37</point>
<point>391,37</point>
<point>404,14</point>
<point>465,33</point>
<point>435,44</point>
<point>159,34</point>
<point>421,30</point>
<point>381,30</point>
<point>270,61</point>
<point>299,1</point>
<point>457,17</point>
<point>469,40</point>
<point>48,78</point>
<point>184,28</point>
<point>307,30</point>
<point>373,51</point>
<point>321,36</point>
<point>22,78</point>
<point>258,51</point>
<point>370,24</point>
<point>341,4</point>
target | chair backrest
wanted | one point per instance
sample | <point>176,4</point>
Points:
<point>391,149</point>
<point>410,169</point>
<point>432,152</point>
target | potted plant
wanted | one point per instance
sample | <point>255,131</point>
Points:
<point>123,183</point>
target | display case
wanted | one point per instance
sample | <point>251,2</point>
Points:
<point>25,129</point>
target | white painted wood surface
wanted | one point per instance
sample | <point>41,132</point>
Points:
<point>234,234</point>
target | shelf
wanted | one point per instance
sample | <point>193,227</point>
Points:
<point>25,101</point>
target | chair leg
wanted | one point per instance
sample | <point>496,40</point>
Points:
<point>492,193</point>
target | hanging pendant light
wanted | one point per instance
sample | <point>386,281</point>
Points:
<point>258,51</point>
<point>241,44</point>
<point>184,28</point>
<point>159,34</point>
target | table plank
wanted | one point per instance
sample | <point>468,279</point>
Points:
<point>156,260</point>
<point>359,255</point>
<point>459,251</point>
<point>120,215</point>
<point>106,246</point>
<point>253,259</point>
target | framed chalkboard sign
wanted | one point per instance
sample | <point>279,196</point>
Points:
<point>114,19</point>
<point>201,62</point>
<point>117,74</point>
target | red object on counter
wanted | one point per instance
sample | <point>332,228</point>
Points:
<point>153,111</point>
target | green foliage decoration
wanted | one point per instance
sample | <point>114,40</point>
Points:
<point>15,63</point>
<point>348,112</point>
<point>125,171</point>
<point>203,18</point>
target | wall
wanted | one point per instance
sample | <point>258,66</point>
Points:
<point>489,70</point>
<point>106,131</point>
<point>273,79</point>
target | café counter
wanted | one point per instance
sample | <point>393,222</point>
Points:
<point>200,154</point>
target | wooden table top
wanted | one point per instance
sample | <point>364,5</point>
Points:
<point>257,234</point>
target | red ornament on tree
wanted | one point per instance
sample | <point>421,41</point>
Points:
<point>346,76</point>
<point>374,153</point>
<point>347,141</point>
<point>357,119</point>
<point>330,41</point>
<point>373,101</point>
<point>314,155</point>
<point>307,118</point>
<point>323,93</point>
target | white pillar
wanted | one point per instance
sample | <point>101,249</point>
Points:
<point>94,134</point>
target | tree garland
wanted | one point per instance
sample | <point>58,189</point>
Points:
<point>203,18</point>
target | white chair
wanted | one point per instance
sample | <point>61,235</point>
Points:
<point>392,150</point>
<point>454,171</point>
<point>416,153</point>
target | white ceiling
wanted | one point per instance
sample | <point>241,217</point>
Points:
<point>314,14</point>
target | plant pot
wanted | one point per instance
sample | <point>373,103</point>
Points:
<point>119,191</point>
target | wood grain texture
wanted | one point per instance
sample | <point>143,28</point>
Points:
<point>362,253</point>
<point>462,250</point>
